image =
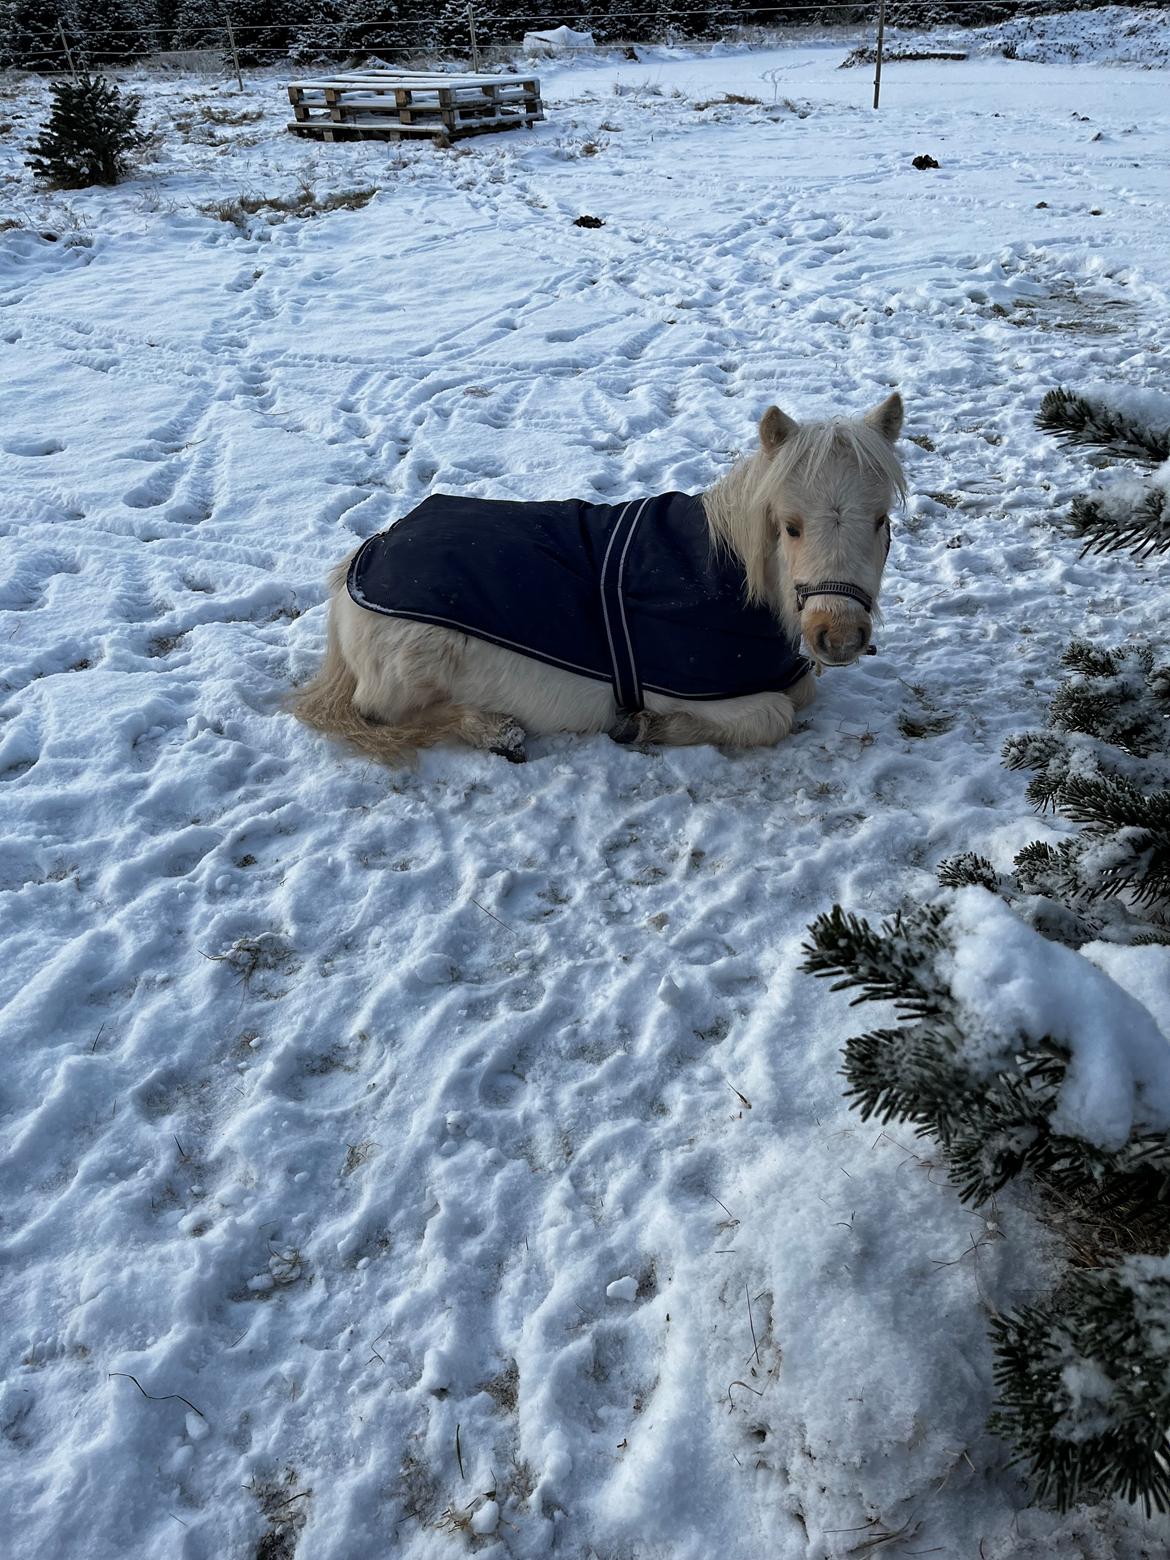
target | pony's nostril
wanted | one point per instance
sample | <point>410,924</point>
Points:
<point>838,644</point>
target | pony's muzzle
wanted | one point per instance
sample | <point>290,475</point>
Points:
<point>836,641</point>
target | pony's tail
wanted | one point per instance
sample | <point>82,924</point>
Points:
<point>326,704</point>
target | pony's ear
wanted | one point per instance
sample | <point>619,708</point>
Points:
<point>887,418</point>
<point>775,427</point>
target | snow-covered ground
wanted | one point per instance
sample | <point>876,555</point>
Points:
<point>457,1158</point>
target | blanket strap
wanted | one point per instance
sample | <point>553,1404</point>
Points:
<point>627,686</point>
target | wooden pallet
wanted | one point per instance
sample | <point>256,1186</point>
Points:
<point>390,104</point>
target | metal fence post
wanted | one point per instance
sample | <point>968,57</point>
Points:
<point>474,43</point>
<point>65,46</point>
<point>232,48</point>
<point>881,38</point>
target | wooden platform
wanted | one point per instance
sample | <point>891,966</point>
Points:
<point>390,104</point>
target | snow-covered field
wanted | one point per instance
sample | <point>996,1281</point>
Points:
<point>457,1158</point>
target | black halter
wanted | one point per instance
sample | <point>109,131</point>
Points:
<point>839,587</point>
<point>833,588</point>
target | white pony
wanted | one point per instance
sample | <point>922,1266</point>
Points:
<point>807,517</point>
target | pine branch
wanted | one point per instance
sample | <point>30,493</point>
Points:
<point>1034,750</point>
<point>1142,528</point>
<point>1103,763</point>
<point>1084,1393</point>
<point>890,964</point>
<point>1078,419</point>
<point>1110,803</point>
<point>1128,847</point>
<point>1046,869</point>
<point>969,870</point>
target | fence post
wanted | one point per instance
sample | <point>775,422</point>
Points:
<point>65,46</point>
<point>234,54</point>
<point>881,38</point>
<point>474,44</point>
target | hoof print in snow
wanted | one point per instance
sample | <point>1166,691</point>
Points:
<point>433,970</point>
<point>587,221</point>
<point>925,161</point>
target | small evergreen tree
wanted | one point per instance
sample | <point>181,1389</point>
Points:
<point>1083,1379</point>
<point>322,35</point>
<point>91,132</point>
<point>378,27</point>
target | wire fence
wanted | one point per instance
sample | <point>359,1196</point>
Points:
<point>304,41</point>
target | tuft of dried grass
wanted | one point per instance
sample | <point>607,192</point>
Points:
<point>280,208</point>
<point>233,116</point>
<point>356,1155</point>
<point>737,98</point>
<point>251,956</point>
<point>1100,1225</point>
<point>504,1387</point>
<point>284,1514</point>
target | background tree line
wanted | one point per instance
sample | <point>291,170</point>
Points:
<point>108,32</point>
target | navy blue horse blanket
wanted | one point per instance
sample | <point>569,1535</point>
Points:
<point>632,594</point>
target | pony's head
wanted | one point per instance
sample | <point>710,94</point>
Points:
<point>811,521</point>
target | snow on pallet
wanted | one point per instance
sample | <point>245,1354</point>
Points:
<point>389,104</point>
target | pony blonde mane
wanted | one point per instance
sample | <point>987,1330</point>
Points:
<point>738,506</point>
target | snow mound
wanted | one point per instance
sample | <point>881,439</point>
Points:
<point>1009,981</point>
<point>558,40</point>
<point>1112,35</point>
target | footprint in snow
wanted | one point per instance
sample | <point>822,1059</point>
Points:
<point>157,488</point>
<point>32,447</point>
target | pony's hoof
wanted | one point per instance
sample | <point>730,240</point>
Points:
<point>627,730</point>
<point>509,743</point>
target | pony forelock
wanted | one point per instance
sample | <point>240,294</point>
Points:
<point>815,450</point>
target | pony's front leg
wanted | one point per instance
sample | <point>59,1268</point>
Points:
<point>758,720</point>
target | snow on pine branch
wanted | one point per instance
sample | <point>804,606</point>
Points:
<point>1122,419</point>
<point>1014,1051</point>
<point>1126,515</point>
<point>1132,423</point>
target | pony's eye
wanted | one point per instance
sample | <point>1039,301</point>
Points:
<point>793,530</point>
<point>880,521</point>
